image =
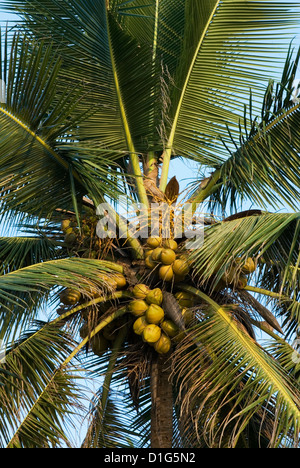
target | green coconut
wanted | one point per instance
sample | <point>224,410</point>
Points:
<point>70,296</point>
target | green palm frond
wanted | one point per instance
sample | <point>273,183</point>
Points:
<point>109,426</point>
<point>250,373</point>
<point>37,399</point>
<point>19,252</point>
<point>272,240</point>
<point>38,127</point>
<point>94,52</point>
<point>263,157</point>
<point>268,236</point>
<point>287,355</point>
<point>217,84</point>
<point>72,272</point>
<point>268,162</point>
<point>28,290</point>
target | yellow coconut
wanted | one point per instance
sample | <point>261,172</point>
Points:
<point>148,252</point>
<point>181,267</point>
<point>106,280</point>
<point>249,266</point>
<point>154,242</point>
<point>65,224</point>
<point>163,345</point>
<point>91,290</point>
<point>120,280</point>
<point>154,314</point>
<point>140,291</point>
<point>139,325</point>
<point>169,327</point>
<point>186,303</point>
<point>155,296</point>
<point>168,256</point>
<point>166,273</point>
<point>137,307</point>
<point>151,333</point>
<point>170,244</point>
<point>70,296</point>
<point>156,254</point>
<point>150,263</point>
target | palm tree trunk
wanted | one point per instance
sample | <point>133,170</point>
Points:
<point>162,404</point>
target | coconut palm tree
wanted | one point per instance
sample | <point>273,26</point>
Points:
<point>102,99</point>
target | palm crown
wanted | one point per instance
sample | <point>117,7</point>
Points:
<point>101,97</point>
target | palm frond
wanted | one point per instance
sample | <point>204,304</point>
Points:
<point>245,370</point>
<point>109,427</point>
<point>70,272</point>
<point>41,397</point>
<point>39,141</point>
<point>94,51</point>
<point>19,252</point>
<point>254,169</point>
<point>217,85</point>
<point>264,169</point>
<point>269,236</point>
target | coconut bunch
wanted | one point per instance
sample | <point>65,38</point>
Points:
<point>71,297</point>
<point>237,274</point>
<point>83,239</point>
<point>163,255</point>
<point>152,323</point>
<point>102,341</point>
